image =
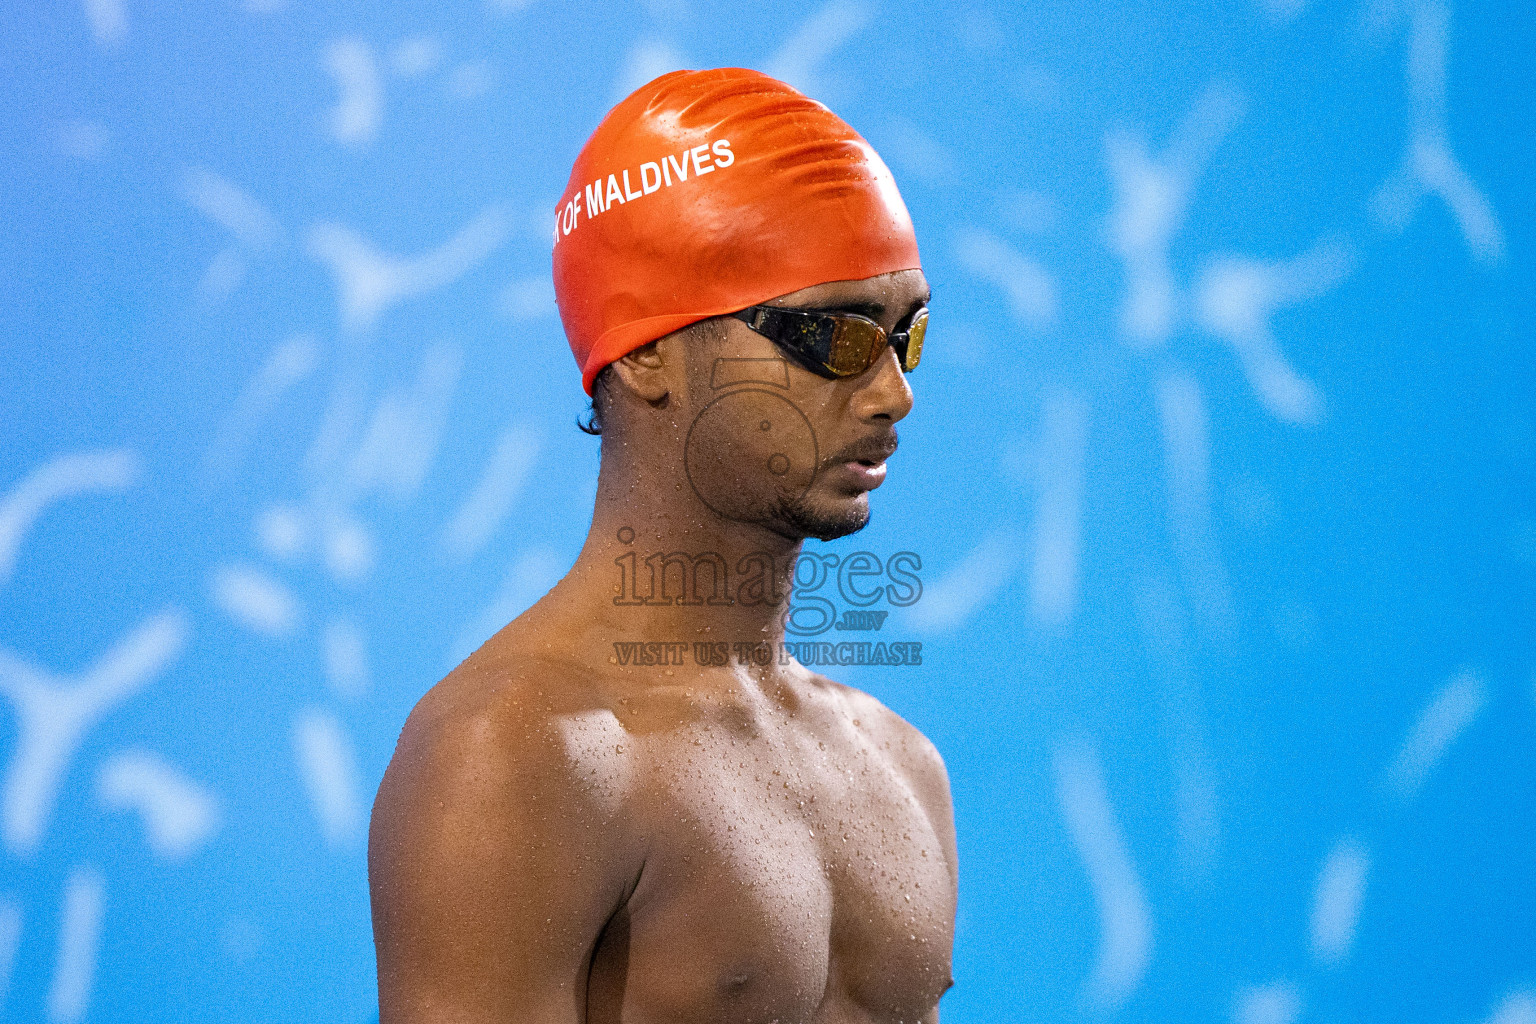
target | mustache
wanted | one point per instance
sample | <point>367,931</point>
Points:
<point>870,449</point>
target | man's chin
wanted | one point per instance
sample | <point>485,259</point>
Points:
<point>824,520</point>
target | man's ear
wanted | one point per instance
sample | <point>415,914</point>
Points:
<point>645,373</point>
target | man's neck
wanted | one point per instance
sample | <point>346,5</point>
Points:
<point>658,565</point>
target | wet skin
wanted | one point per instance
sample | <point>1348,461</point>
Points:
<point>560,838</point>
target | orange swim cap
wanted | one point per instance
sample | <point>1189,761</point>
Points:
<point>705,192</point>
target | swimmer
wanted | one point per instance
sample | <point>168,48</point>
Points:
<point>568,836</point>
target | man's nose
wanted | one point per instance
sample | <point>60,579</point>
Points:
<point>884,392</point>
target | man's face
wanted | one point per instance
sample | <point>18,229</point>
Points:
<point>773,443</point>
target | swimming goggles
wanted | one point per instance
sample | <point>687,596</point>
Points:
<point>836,344</point>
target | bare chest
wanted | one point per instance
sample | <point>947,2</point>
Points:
<point>798,880</point>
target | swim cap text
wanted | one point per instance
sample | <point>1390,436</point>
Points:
<point>650,177</point>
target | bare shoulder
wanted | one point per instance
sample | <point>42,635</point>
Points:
<point>513,727</point>
<point>506,763</point>
<point>902,740</point>
<point>495,853</point>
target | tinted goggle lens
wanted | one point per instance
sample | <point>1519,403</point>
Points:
<point>857,344</point>
<point>833,344</point>
<point>911,349</point>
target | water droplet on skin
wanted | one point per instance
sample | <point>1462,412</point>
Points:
<point>618,748</point>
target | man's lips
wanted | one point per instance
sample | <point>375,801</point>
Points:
<point>864,475</point>
<point>864,462</point>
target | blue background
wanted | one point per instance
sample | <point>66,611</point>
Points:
<point>1237,692</point>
